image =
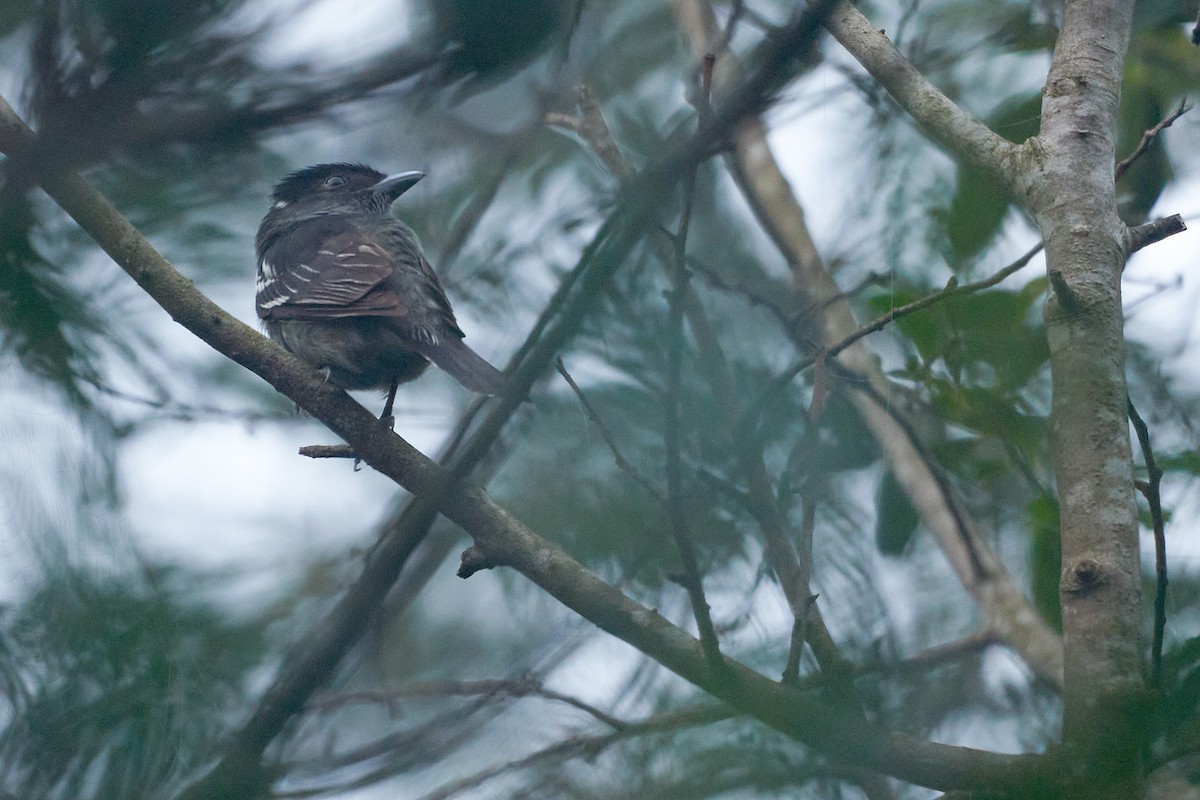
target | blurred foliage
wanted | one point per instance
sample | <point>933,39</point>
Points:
<point>113,684</point>
<point>121,676</point>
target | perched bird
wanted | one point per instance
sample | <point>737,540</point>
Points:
<point>344,286</point>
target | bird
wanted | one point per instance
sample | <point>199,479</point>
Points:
<point>345,286</point>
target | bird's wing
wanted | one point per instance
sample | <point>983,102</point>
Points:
<point>326,269</point>
<point>414,279</point>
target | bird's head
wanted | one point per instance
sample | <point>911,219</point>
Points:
<point>331,189</point>
<point>338,189</point>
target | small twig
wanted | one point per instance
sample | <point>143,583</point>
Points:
<point>1157,289</point>
<point>736,8</point>
<point>557,119</point>
<point>1155,231</point>
<point>939,654</point>
<point>753,295</point>
<point>791,671</point>
<point>1151,489</point>
<point>980,571</point>
<point>672,433</point>
<point>878,324</point>
<point>951,290</point>
<point>596,133</point>
<point>622,462</point>
<point>523,687</point>
<point>185,412</point>
<point>588,746</point>
<point>728,487</point>
<point>1149,136</point>
<point>328,451</point>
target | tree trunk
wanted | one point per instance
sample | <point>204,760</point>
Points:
<point>1072,198</point>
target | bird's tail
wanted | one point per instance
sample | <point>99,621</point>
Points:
<point>465,365</point>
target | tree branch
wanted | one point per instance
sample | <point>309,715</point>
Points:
<point>508,542</point>
<point>946,123</point>
<point>588,745</point>
<point>1152,232</point>
<point>672,433</point>
<point>521,687</point>
<point>618,457</point>
<point>1005,607</point>
<point>1151,489</point>
<point>1148,137</point>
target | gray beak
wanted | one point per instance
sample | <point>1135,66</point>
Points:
<point>395,185</point>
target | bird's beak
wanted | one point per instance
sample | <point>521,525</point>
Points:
<point>395,185</point>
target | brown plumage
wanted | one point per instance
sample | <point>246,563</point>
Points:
<point>345,287</point>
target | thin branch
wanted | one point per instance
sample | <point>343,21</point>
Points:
<point>525,687</point>
<point>943,653</point>
<point>791,670</point>
<point>622,462</point>
<point>925,660</point>
<point>587,746</point>
<point>1151,489</point>
<point>781,381</point>
<point>672,426</point>
<point>557,119</point>
<point>774,203</point>
<point>982,570</point>
<point>918,305</point>
<point>401,749</point>
<point>1148,138</point>
<point>736,9</point>
<point>327,451</point>
<point>505,539</point>
<point>946,123</point>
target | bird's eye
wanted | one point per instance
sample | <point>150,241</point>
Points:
<point>334,181</point>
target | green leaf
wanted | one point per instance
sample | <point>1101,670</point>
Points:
<point>843,443</point>
<point>1042,513</point>
<point>896,520</point>
<point>979,203</point>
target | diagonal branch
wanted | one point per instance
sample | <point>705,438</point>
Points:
<point>506,541</point>
<point>1148,137</point>
<point>945,122</point>
<point>1005,608</point>
<point>588,745</point>
<point>672,425</point>
<point>516,687</point>
<point>792,569</point>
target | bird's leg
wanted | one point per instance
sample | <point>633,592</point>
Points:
<point>387,417</point>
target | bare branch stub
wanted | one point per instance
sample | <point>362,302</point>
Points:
<point>473,560</point>
<point>1154,231</point>
<point>327,451</point>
